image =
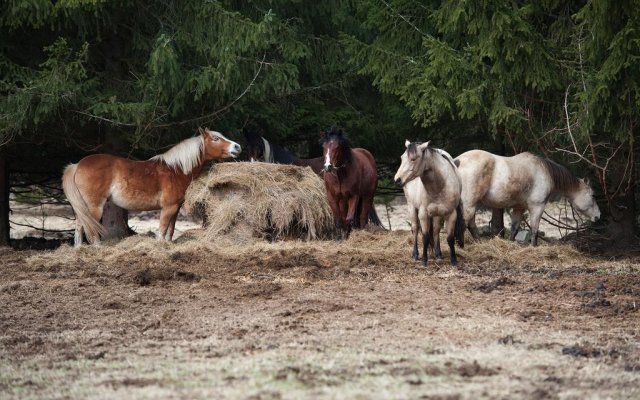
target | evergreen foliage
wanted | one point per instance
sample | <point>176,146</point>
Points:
<point>130,77</point>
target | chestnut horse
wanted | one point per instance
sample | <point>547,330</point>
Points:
<point>442,188</point>
<point>522,182</point>
<point>350,177</point>
<point>157,183</point>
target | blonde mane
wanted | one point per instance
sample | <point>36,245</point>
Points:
<point>185,155</point>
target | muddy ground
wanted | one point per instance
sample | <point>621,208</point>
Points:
<point>356,319</point>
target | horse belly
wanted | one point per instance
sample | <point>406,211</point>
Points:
<point>135,199</point>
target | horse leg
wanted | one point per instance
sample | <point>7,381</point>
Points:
<point>335,210</point>
<point>415,227</point>
<point>96,213</point>
<point>451,228</point>
<point>436,222</point>
<point>77,236</point>
<point>350,205</point>
<point>516,218</point>
<point>535,214</point>
<point>367,206</point>
<point>426,238</point>
<point>166,215</point>
<point>172,226</point>
<point>469,214</point>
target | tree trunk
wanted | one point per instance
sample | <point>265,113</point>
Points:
<point>4,199</point>
<point>115,221</point>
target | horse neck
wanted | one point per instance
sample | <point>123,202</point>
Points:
<point>432,175</point>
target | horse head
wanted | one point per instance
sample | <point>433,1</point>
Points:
<point>255,145</point>
<point>336,149</point>
<point>584,201</point>
<point>414,162</point>
<point>217,146</point>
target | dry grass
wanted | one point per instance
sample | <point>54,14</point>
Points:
<point>260,199</point>
<point>316,319</point>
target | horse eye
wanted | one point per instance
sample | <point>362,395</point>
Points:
<point>215,138</point>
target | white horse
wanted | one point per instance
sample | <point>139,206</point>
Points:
<point>438,199</point>
<point>522,182</point>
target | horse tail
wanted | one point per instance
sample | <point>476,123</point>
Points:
<point>458,231</point>
<point>92,227</point>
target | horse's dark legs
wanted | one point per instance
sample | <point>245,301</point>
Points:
<point>415,227</point>
<point>451,230</point>
<point>535,214</point>
<point>425,244</point>
<point>435,226</point>
<point>469,216</point>
<point>516,218</point>
<point>367,206</point>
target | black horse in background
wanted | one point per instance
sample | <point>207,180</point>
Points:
<point>260,149</point>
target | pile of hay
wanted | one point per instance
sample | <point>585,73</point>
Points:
<point>260,199</point>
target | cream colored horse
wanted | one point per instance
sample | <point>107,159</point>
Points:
<point>439,198</point>
<point>522,182</point>
<point>417,202</point>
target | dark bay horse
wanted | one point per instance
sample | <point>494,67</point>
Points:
<point>350,178</point>
<point>157,183</point>
<point>522,182</point>
<point>441,196</point>
<point>260,149</point>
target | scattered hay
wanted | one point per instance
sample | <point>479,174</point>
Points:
<point>500,251</point>
<point>260,199</point>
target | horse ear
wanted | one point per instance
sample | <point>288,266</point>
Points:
<point>202,131</point>
<point>424,146</point>
<point>586,181</point>
<point>407,143</point>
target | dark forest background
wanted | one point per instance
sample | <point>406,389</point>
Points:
<point>558,78</point>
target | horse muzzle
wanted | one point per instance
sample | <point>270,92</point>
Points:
<point>398,182</point>
<point>235,150</point>
<point>328,168</point>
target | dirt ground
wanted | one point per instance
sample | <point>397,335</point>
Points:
<point>143,319</point>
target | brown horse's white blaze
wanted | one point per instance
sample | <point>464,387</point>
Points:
<point>524,182</point>
<point>157,183</point>
<point>430,181</point>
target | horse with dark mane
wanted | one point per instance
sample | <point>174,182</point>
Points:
<point>350,178</point>
<point>441,196</point>
<point>259,148</point>
<point>157,183</point>
<point>522,182</point>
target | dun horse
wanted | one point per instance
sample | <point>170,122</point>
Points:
<point>157,183</point>
<point>350,177</point>
<point>417,203</point>
<point>522,182</point>
<point>441,196</point>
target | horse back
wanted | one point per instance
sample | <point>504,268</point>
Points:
<point>367,169</point>
<point>134,185</point>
